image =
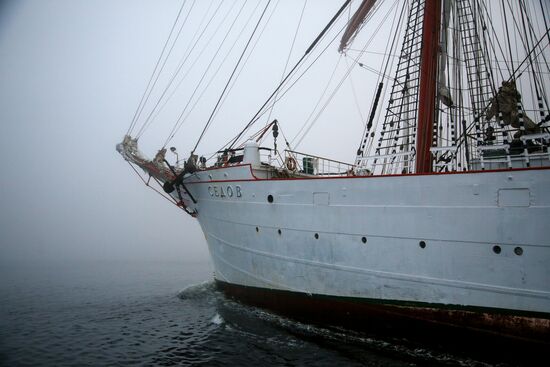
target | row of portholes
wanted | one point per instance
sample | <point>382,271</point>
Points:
<point>517,250</point>
<point>496,249</point>
<point>316,235</point>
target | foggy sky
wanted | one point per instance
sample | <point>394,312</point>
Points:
<point>72,73</point>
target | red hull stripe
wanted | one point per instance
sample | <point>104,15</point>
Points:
<point>356,177</point>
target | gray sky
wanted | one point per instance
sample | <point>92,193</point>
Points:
<point>72,73</point>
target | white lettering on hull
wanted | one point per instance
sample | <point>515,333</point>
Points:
<point>227,191</point>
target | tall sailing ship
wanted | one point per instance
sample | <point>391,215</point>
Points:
<point>442,216</point>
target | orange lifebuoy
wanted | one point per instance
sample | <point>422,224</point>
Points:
<point>291,163</point>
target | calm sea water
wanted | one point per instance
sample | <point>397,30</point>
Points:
<point>169,313</point>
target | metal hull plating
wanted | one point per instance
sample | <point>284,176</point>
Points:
<point>454,241</point>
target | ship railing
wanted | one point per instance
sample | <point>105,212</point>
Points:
<point>314,165</point>
<point>534,149</point>
<point>235,156</point>
<point>487,154</point>
<point>270,157</point>
<point>535,146</point>
<point>445,158</point>
<point>399,162</point>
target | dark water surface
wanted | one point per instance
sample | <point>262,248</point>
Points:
<point>169,313</point>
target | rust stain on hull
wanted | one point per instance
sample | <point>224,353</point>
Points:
<point>368,314</point>
<point>522,327</point>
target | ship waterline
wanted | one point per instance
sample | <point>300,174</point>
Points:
<point>458,324</point>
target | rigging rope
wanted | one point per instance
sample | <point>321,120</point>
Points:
<point>243,64</point>
<point>530,52</point>
<point>169,198</point>
<point>288,57</point>
<point>306,122</point>
<point>222,63</point>
<point>230,78</point>
<point>141,102</point>
<point>541,92</point>
<point>263,110</point>
<point>313,44</point>
<point>149,118</point>
<point>268,120</point>
<point>164,63</point>
<point>496,41</point>
<point>180,119</point>
<point>508,37</point>
<point>348,72</point>
<point>356,100</point>
<point>387,56</point>
<point>523,12</point>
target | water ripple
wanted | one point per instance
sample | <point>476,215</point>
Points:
<point>196,326</point>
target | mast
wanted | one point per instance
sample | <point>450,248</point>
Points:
<point>428,85</point>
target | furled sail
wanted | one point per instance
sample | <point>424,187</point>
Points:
<point>355,23</point>
<point>154,167</point>
<point>443,89</point>
<point>506,102</point>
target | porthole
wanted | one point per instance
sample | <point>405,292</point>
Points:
<point>364,239</point>
<point>270,198</point>
<point>497,249</point>
<point>422,244</point>
<point>518,251</point>
<point>279,231</point>
<point>257,229</point>
<point>316,236</point>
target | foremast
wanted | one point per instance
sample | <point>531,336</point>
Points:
<point>428,85</point>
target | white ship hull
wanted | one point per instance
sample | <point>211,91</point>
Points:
<point>462,241</point>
